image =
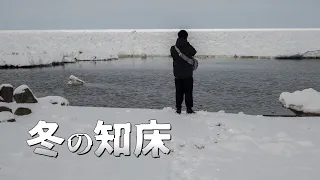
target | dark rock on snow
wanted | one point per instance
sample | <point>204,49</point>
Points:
<point>22,111</point>
<point>4,108</point>
<point>6,93</point>
<point>24,95</point>
<point>11,120</point>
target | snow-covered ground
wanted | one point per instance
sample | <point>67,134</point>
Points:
<point>53,100</point>
<point>5,116</point>
<point>307,100</point>
<point>27,48</point>
<point>205,146</point>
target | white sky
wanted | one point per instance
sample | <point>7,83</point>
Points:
<point>158,14</point>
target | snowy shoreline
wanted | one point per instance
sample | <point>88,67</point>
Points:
<point>56,47</point>
<point>204,146</point>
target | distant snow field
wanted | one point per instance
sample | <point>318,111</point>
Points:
<point>204,146</point>
<point>34,48</point>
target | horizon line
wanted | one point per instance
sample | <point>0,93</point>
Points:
<point>161,30</point>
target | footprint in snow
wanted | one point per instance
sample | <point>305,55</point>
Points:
<point>199,146</point>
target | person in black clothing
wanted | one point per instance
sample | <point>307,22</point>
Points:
<point>183,72</point>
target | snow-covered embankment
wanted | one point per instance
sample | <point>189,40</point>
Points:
<point>305,102</point>
<point>33,48</point>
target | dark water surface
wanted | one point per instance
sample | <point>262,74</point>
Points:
<point>250,86</point>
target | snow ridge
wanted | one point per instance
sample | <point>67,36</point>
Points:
<point>35,48</point>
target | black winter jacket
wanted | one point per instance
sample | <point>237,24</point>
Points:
<point>181,69</point>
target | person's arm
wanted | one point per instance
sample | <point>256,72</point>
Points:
<point>192,50</point>
<point>173,52</point>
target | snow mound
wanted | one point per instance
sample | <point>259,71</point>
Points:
<point>73,80</point>
<point>54,100</point>
<point>5,85</point>
<point>315,53</point>
<point>307,100</point>
<point>48,99</point>
<point>21,89</point>
<point>4,116</point>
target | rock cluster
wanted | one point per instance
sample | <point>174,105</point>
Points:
<point>6,97</point>
<point>21,95</point>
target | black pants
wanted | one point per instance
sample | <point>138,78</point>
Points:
<point>184,87</point>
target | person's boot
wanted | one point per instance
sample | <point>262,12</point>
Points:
<point>190,111</point>
<point>178,111</point>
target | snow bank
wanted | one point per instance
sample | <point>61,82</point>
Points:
<point>205,146</point>
<point>307,101</point>
<point>26,48</point>
<point>43,100</point>
<point>311,54</point>
<point>53,100</point>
